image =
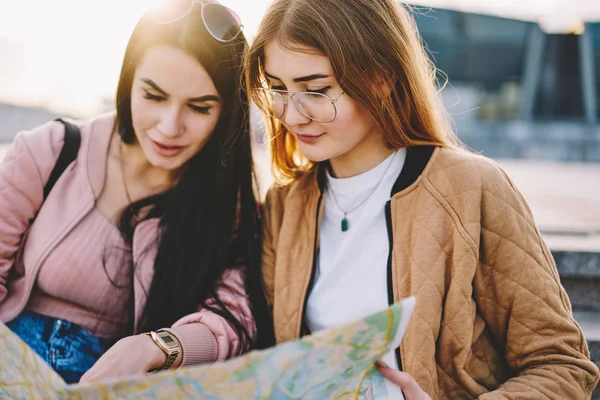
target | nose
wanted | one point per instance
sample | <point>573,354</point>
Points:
<point>170,124</point>
<point>292,116</point>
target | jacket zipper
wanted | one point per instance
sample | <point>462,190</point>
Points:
<point>390,281</point>
<point>313,268</point>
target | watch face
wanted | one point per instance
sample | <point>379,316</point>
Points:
<point>168,340</point>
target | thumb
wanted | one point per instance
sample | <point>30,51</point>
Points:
<point>407,383</point>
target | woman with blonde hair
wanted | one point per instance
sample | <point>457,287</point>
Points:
<point>376,201</point>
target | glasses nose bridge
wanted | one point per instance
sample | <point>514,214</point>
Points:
<point>287,97</point>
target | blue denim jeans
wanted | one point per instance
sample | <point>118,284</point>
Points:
<point>66,347</point>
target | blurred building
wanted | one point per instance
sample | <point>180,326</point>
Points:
<point>514,91</point>
<point>17,118</point>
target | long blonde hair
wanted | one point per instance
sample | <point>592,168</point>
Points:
<point>369,43</point>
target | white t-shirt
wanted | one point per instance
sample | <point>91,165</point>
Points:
<point>351,276</point>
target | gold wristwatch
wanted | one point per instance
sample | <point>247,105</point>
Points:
<point>168,344</point>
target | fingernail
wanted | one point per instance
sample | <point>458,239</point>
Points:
<point>381,364</point>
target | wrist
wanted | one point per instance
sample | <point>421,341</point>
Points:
<point>170,347</point>
<point>156,357</point>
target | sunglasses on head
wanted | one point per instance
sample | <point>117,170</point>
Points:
<point>221,22</point>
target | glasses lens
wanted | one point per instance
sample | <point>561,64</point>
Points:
<point>169,11</point>
<point>221,22</point>
<point>315,106</point>
<point>275,104</point>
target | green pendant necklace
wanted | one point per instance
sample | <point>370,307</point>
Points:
<point>345,224</point>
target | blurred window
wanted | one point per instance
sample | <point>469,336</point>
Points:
<point>483,53</point>
<point>559,93</point>
<point>595,29</point>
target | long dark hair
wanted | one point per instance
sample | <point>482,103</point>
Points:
<point>209,221</point>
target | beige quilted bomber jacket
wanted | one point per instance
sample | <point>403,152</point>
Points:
<point>492,320</point>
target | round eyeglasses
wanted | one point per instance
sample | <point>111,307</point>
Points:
<point>221,22</point>
<point>315,106</point>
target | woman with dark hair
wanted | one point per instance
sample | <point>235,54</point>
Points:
<point>154,228</point>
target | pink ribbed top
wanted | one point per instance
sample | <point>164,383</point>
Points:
<point>95,270</point>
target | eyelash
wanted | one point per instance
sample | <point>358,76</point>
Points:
<point>200,110</point>
<point>322,90</point>
<point>153,97</point>
<point>159,99</point>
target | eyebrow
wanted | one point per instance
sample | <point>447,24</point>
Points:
<point>302,78</point>
<point>208,97</point>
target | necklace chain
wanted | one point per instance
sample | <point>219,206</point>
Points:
<point>345,223</point>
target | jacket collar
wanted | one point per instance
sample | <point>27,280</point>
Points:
<point>417,159</point>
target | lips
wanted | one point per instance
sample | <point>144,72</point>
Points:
<point>167,150</point>
<point>309,139</point>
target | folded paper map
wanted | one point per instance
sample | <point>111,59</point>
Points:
<point>331,364</point>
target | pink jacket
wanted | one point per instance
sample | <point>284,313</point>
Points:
<point>205,336</point>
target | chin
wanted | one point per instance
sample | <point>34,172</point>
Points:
<point>315,156</point>
<point>166,164</point>
<point>320,157</point>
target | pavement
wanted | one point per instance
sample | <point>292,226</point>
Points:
<point>565,201</point>
<point>588,321</point>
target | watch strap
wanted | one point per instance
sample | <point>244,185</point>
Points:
<point>171,353</point>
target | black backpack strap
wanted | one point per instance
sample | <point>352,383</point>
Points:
<point>67,155</point>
